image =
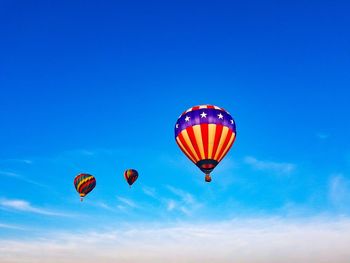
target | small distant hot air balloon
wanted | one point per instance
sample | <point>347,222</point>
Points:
<point>130,176</point>
<point>205,134</point>
<point>84,183</point>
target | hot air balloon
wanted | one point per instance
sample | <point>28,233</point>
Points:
<point>84,183</point>
<point>205,134</point>
<point>130,176</point>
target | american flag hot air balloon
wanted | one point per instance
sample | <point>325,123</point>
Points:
<point>205,134</point>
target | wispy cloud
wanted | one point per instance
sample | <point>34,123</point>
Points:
<point>127,202</point>
<point>9,174</point>
<point>86,152</point>
<point>255,240</point>
<point>24,206</point>
<point>339,190</point>
<point>122,208</point>
<point>10,226</point>
<point>22,178</point>
<point>322,135</point>
<point>149,191</point>
<point>276,167</point>
<point>171,204</point>
<point>25,161</point>
<point>179,201</point>
<point>103,205</point>
<point>186,197</point>
<point>185,202</point>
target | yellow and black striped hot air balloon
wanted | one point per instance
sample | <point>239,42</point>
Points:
<point>84,184</point>
<point>205,134</point>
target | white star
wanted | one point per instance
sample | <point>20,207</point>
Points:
<point>203,115</point>
<point>177,125</point>
<point>187,118</point>
<point>231,121</point>
<point>220,116</point>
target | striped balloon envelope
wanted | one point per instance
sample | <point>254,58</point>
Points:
<point>205,134</point>
<point>84,184</point>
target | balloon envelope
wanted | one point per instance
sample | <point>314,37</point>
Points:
<point>205,134</point>
<point>131,176</point>
<point>84,184</point>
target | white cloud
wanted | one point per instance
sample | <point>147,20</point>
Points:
<point>86,152</point>
<point>26,161</point>
<point>9,174</point>
<point>20,177</point>
<point>10,226</point>
<point>185,210</point>
<point>122,208</point>
<point>276,167</point>
<point>103,205</point>
<point>149,191</point>
<point>186,203</point>
<point>185,197</point>
<point>179,201</point>
<point>322,135</point>
<point>24,206</point>
<point>255,240</point>
<point>171,204</point>
<point>127,202</point>
<point>339,191</point>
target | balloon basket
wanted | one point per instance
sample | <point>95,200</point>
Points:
<point>208,178</point>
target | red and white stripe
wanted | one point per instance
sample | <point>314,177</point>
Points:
<point>206,141</point>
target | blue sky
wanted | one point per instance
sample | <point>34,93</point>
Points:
<point>97,87</point>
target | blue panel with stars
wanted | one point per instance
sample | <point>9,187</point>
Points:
<point>204,116</point>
